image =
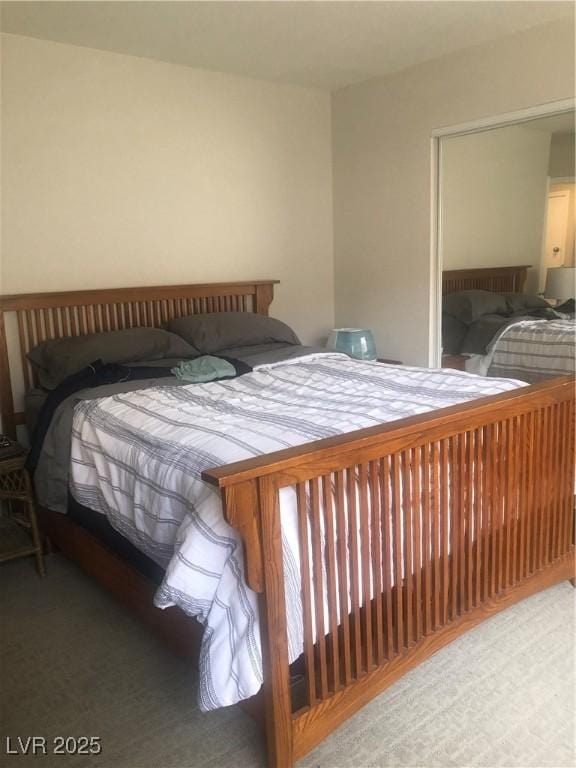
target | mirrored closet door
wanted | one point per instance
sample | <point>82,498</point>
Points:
<point>506,227</point>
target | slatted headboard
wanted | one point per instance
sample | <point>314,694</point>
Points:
<point>497,279</point>
<point>41,316</point>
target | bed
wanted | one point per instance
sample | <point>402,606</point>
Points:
<point>492,328</point>
<point>408,533</point>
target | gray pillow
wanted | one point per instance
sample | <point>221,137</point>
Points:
<point>216,331</point>
<point>453,334</point>
<point>520,301</point>
<point>56,359</point>
<point>469,306</point>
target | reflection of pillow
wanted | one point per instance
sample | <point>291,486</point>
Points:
<point>453,333</point>
<point>468,306</point>
<point>519,301</point>
<point>56,359</point>
<point>223,330</point>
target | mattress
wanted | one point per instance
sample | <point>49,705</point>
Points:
<point>137,458</point>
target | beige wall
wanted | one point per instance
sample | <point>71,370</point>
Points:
<point>123,171</point>
<point>493,195</point>
<point>382,171</point>
<point>562,156</point>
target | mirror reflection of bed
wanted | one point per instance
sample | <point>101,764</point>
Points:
<point>492,327</point>
<point>507,245</point>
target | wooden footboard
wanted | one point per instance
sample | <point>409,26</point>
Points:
<point>410,534</point>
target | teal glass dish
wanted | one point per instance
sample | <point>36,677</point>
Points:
<point>354,342</point>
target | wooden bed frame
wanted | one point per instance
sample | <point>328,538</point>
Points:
<point>497,279</point>
<point>457,514</point>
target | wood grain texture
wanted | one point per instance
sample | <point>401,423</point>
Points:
<point>273,631</point>
<point>497,279</point>
<point>240,506</point>
<point>418,530</point>
<point>312,726</point>
<point>42,316</point>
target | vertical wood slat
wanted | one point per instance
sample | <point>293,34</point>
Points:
<point>273,629</point>
<point>90,324</point>
<point>97,310</point>
<point>318,585</point>
<point>73,326</point>
<point>454,527</point>
<point>557,480</point>
<point>464,480</point>
<point>365,571</point>
<point>48,331</point>
<point>407,548</point>
<point>427,541</point>
<point>530,495</point>
<point>487,491</point>
<point>332,590</point>
<point>343,580</point>
<point>543,465</point>
<point>353,545</point>
<point>564,536</point>
<point>471,502</point>
<point>537,508</point>
<point>30,328</point>
<point>522,465</point>
<point>494,508</point>
<point>398,616</point>
<point>569,454</point>
<point>566,471</point>
<point>553,483</point>
<point>479,471</point>
<point>55,320</point>
<point>435,534</point>
<point>510,544</point>
<point>82,325</point>
<point>24,348</point>
<point>38,322</point>
<point>444,490</point>
<point>376,563</point>
<point>417,541</point>
<point>385,527</point>
<point>501,509</point>
<point>306,593</point>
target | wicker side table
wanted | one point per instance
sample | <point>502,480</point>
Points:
<point>15,485</point>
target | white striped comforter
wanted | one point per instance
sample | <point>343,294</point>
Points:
<point>534,350</point>
<point>137,458</point>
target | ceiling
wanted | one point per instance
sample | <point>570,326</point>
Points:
<point>323,44</point>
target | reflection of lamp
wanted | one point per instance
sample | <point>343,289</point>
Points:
<point>560,283</point>
<point>356,342</point>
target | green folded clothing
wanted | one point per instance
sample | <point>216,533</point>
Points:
<point>206,368</point>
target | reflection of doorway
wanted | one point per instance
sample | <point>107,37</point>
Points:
<point>559,238</point>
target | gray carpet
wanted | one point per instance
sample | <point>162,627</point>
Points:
<point>72,663</point>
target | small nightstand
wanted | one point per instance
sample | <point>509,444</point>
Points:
<point>15,485</point>
<point>390,362</point>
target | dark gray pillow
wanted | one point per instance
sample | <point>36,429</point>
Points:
<point>520,301</point>
<point>453,334</point>
<point>215,331</point>
<point>56,359</point>
<point>469,306</point>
